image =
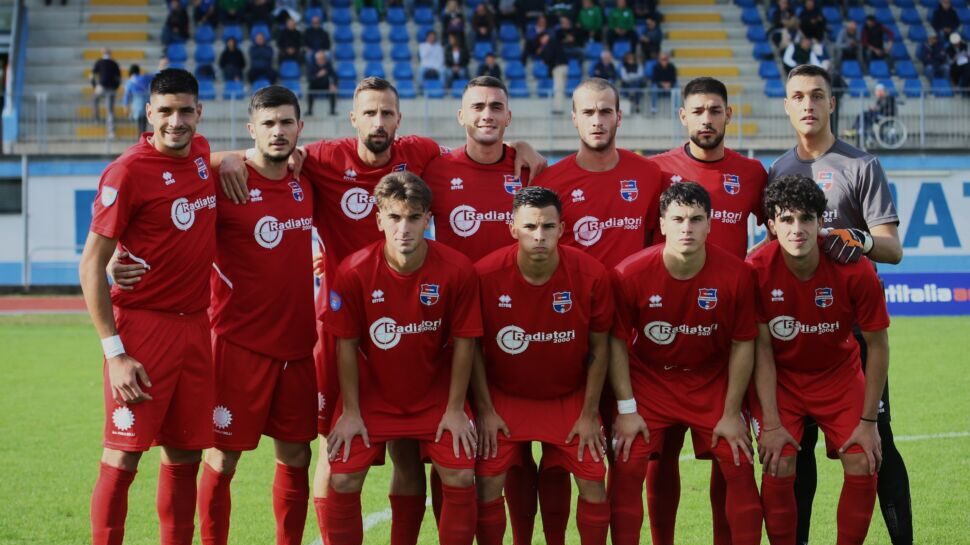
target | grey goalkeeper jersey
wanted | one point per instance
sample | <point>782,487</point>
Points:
<point>855,185</point>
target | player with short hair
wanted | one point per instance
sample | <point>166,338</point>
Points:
<point>808,361</point>
<point>264,326</point>
<point>546,312</point>
<point>684,334</point>
<point>863,220</point>
<point>410,309</point>
<point>735,184</point>
<point>157,203</point>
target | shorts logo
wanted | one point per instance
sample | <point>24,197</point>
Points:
<point>385,333</point>
<point>221,417</point>
<point>297,191</point>
<point>456,184</point>
<point>628,190</point>
<point>577,195</point>
<point>756,427</point>
<point>823,297</point>
<point>786,328</point>
<point>664,333</point>
<point>183,211</point>
<point>824,179</point>
<point>562,301</point>
<point>269,230</point>
<point>513,340</point>
<point>108,195</point>
<point>504,301</point>
<point>429,294</point>
<point>168,178</point>
<point>377,296</point>
<point>656,301</point>
<point>335,301</point>
<point>400,167</point>
<point>732,184</point>
<point>357,203</point>
<point>512,184</point>
<point>202,168</point>
<point>321,402</point>
<point>707,298</point>
<point>123,418</point>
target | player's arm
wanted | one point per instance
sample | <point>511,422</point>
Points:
<point>350,423</point>
<point>233,174</point>
<point>125,374</point>
<point>455,420</point>
<point>773,436</point>
<point>732,427</point>
<point>527,157</point>
<point>628,423</point>
<point>866,434</point>
<point>124,273</point>
<point>588,427</point>
<point>489,421</point>
<point>886,247</point>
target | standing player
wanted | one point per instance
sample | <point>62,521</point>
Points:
<point>263,326</point>
<point>735,184</point>
<point>860,209</point>
<point>684,334</point>
<point>410,308</point>
<point>808,361</point>
<point>157,203</point>
<point>546,313</point>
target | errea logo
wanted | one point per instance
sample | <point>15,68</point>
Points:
<point>504,301</point>
<point>777,296</point>
<point>578,195</point>
<point>255,195</point>
<point>377,296</point>
<point>676,179</point>
<point>350,175</point>
<point>656,301</point>
<point>456,184</point>
<point>168,178</point>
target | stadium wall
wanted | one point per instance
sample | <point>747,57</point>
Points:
<point>932,195</point>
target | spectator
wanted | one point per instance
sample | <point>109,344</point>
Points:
<point>290,42</point>
<point>622,25</point>
<point>315,37</point>
<point>591,22</point>
<point>632,80</point>
<point>877,40</point>
<point>231,11</point>
<point>431,57</point>
<point>945,18</point>
<point>260,12</point>
<point>551,53</point>
<point>885,106</point>
<point>782,19</point>
<point>204,12</point>
<point>507,11</point>
<point>483,23</point>
<point>530,10</point>
<point>176,27</point>
<point>663,79</point>
<point>959,61</point>
<point>261,60</point>
<point>231,61</point>
<point>606,67</point>
<point>106,78</point>
<point>136,96</point>
<point>456,59</point>
<point>532,36</point>
<point>934,58</point>
<point>323,81</point>
<point>569,38</point>
<point>652,39</point>
<point>284,10</point>
<point>812,22</point>
<point>788,34</point>
<point>848,46</point>
<point>453,19</point>
<point>646,9</point>
<point>802,52</point>
<point>490,67</point>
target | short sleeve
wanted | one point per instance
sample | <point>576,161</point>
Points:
<point>745,326</point>
<point>467,318</point>
<point>422,150</point>
<point>603,308</point>
<point>115,203</point>
<point>624,316</point>
<point>344,310</point>
<point>875,199</point>
<point>868,297</point>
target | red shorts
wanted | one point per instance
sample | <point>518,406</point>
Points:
<point>833,398</point>
<point>258,395</point>
<point>328,383</point>
<point>176,352</point>
<point>441,453</point>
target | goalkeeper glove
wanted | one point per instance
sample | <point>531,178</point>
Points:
<point>846,245</point>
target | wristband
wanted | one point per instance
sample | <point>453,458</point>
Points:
<point>771,429</point>
<point>112,346</point>
<point>626,406</point>
<point>873,420</point>
<point>867,243</point>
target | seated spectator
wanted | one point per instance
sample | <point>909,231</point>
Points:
<point>323,81</point>
<point>934,58</point>
<point>431,57</point>
<point>533,35</point>
<point>490,67</point>
<point>663,78</point>
<point>646,9</point>
<point>621,24</point>
<point>787,35</point>
<point>945,19</point>
<point>811,21</point>
<point>136,96</point>
<point>261,60</point>
<point>315,37</point>
<point>782,21</point>
<point>959,61</point>
<point>591,22</point>
<point>483,23</point>
<point>877,40</point>
<point>231,61</point>
<point>453,19</point>
<point>606,67</point>
<point>286,9</point>
<point>803,52</point>
<point>530,10</point>
<point>290,42</point>
<point>632,81</point>
<point>885,106</point>
<point>231,11</point>
<point>204,12</point>
<point>259,11</point>
<point>456,59</point>
<point>508,12</point>
<point>652,39</point>
<point>569,38</point>
<point>176,27</point>
<point>848,46</point>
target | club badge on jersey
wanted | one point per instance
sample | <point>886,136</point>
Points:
<point>824,179</point>
<point>512,184</point>
<point>823,297</point>
<point>400,167</point>
<point>429,294</point>
<point>202,168</point>
<point>732,184</point>
<point>562,301</point>
<point>707,298</point>
<point>297,191</point>
<point>628,190</point>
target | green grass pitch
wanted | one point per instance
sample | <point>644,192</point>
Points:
<point>51,415</point>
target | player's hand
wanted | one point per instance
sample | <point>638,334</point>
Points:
<point>319,265</point>
<point>734,430</point>
<point>123,272</point>
<point>232,177</point>
<point>590,433</point>
<point>489,424</point>
<point>295,162</point>
<point>846,245</point>
<point>126,375</point>
<point>866,435</point>
<point>527,157</point>
<point>625,430</point>
<point>348,426</point>
<point>462,431</point>
<point>770,445</point>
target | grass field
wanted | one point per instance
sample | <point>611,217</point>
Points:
<point>51,419</point>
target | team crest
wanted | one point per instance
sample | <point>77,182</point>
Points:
<point>707,298</point>
<point>429,294</point>
<point>297,191</point>
<point>400,167</point>
<point>825,179</point>
<point>512,184</point>
<point>732,184</point>
<point>823,297</point>
<point>628,190</point>
<point>202,168</point>
<point>562,301</point>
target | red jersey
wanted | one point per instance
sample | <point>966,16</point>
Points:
<point>403,323</point>
<point>162,210</point>
<point>262,278</point>
<point>536,339</point>
<point>735,184</point>
<point>610,215</point>
<point>472,202</point>
<point>811,321</point>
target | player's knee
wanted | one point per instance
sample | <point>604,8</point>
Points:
<point>855,464</point>
<point>786,466</point>
<point>293,454</point>
<point>171,455</point>
<point>489,487</point>
<point>120,459</point>
<point>222,461</point>
<point>456,478</point>
<point>347,483</point>
<point>591,491</point>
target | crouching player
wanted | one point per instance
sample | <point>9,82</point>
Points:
<point>684,333</point>
<point>546,312</point>
<point>399,302</point>
<point>808,362</point>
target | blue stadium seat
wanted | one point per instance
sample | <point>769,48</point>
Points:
<point>964,15</point>
<point>205,72</point>
<point>232,31</point>
<point>294,85</point>
<point>511,51</point>
<point>399,34</point>
<point>878,3</point>
<point>508,33</point>
<point>751,16</point>
<point>344,52</point>
<point>341,3</point>
<point>290,69</point>
<point>233,89</point>
<point>756,34</point>
<point>346,71</point>
<point>374,68</point>
<point>397,16</point>
<point>204,53</point>
<point>929,4</point>
<point>176,52</point>
<point>514,70</point>
<point>373,52</point>
<point>341,17</point>
<point>593,50</point>
<point>540,70</point>
<point>544,88</point>
<point>205,34</point>
<point>917,33</point>
<point>518,88</point>
<point>832,14</point>
<point>401,54</point>
<point>910,16</point>
<point>851,69</point>
<point>346,87</point>
<point>457,87</point>
<point>620,48</point>
<point>423,16</point>
<point>260,84</point>
<point>575,69</point>
<point>481,49</point>
<point>260,28</point>
<point>833,30</point>
<point>370,34</point>
<point>343,35</point>
<point>879,69</point>
<point>571,85</point>
<point>402,70</point>
<point>745,3</point>
<point>422,32</point>
<point>941,87</point>
<point>207,89</point>
<point>890,86</point>
<point>912,87</point>
<point>899,51</point>
<point>405,88</point>
<point>858,88</point>
<point>762,51</point>
<point>369,16</point>
<point>768,70</point>
<point>903,4</point>
<point>314,11</point>
<point>857,14</point>
<point>884,16</point>
<point>433,88</point>
<point>957,4</point>
<point>906,69</point>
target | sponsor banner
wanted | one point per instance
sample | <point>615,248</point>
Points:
<point>927,294</point>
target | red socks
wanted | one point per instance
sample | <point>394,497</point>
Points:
<point>742,504</point>
<point>435,485</point>
<point>109,505</point>
<point>722,530</point>
<point>491,522</point>
<point>459,512</point>
<point>320,506</point>
<point>344,523</point>
<point>855,508</point>
<point>521,483</point>
<point>555,492</point>
<point>781,512</point>
<point>663,487</point>
<point>291,490</point>
<point>407,512</point>
<point>625,493</point>
<point>593,522</point>
<point>176,502</point>
<point>215,505</point>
